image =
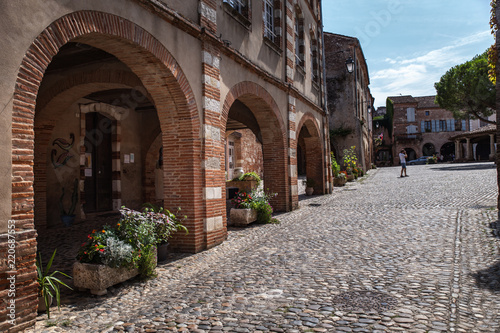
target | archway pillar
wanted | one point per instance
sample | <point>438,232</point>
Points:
<point>458,150</point>
<point>468,150</point>
<point>292,154</point>
<point>492,148</point>
<point>213,169</point>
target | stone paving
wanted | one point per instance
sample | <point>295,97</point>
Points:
<point>383,254</point>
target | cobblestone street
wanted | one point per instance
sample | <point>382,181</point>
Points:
<point>383,254</point>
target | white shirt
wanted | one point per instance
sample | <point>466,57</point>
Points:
<point>402,158</point>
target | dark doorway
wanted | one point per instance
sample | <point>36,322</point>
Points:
<point>411,154</point>
<point>448,151</point>
<point>428,149</point>
<point>98,165</point>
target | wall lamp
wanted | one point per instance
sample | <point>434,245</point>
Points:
<point>350,65</point>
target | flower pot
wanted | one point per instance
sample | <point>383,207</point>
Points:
<point>309,190</point>
<point>242,216</point>
<point>350,178</point>
<point>68,220</point>
<point>41,303</point>
<point>337,181</point>
<point>98,278</point>
<point>162,250</point>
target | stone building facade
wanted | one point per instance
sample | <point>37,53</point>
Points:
<point>422,128</point>
<point>349,98</point>
<point>130,102</point>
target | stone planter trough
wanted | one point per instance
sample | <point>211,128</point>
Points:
<point>98,278</point>
<point>242,216</point>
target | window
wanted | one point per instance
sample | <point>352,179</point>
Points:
<point>427,126</point>
<point>299,40</point>
<point>427,113</point>
<point>442,126</point>
<point>410,114</point>
<point>269,20</point>
<point>241,6</point>
<point>411,129</point>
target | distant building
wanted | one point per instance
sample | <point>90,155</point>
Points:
<point>349,98</point>
<point>382,137</point>
<point>423,128</point>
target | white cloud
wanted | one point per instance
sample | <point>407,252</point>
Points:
<point>416,76</point>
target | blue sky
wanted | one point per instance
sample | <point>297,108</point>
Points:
<point>410,44</point>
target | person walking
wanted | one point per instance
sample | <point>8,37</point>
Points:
<point>402,160</point>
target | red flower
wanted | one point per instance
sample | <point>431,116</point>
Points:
<point>102,250</point>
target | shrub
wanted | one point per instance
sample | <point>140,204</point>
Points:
<point>335,165</point>
<point>258,200</point>
<point>350,159</point>
<point>131,243</point>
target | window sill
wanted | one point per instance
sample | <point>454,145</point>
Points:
<point>237,15</point>
<point>273,46</point>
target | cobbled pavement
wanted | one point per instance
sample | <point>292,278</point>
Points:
<point>383,254</point>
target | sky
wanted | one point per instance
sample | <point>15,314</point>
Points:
<point>410,44</point>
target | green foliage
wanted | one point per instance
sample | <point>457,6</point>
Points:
<point>431,160</point>
<point>341,131</point>
<point>48,283</point>
<point>250,176</point>
<point>350,158</point>
<point>258,200</point>
<point>132,242</point>
<point>166,223</point>
<point>467,91</point>
<point>335,165</point>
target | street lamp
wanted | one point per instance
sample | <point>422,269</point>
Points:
<point>350,65</point>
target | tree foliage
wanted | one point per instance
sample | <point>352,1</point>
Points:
<point>467,91</point>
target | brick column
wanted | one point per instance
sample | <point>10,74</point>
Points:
<point>214,188</point>
<point>292,153</point>
<point>208,15</point>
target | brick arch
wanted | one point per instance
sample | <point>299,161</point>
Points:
<point>102,76</point>
<point>274,136</point>
<point>313,151</point>
<point>159,73</point>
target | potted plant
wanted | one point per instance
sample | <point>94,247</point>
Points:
<point>251,207</point>
<point>166,224</point>
<point>340,179</point>
<point>245,182</point>
<point>68,217</point>
<point>48,284</point>
<point>243,212</point>
<point>310,183</point>
<point>115,254</point>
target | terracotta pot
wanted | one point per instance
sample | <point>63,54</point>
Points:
<point>309,190</point>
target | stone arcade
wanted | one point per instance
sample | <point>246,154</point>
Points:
<point>134,100</point>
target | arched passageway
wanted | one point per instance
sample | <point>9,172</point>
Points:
<point>249,106</point>
<point>311,159</point>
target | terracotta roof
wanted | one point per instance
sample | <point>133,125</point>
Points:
<point>488,129</point>
<point>402,99</point>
